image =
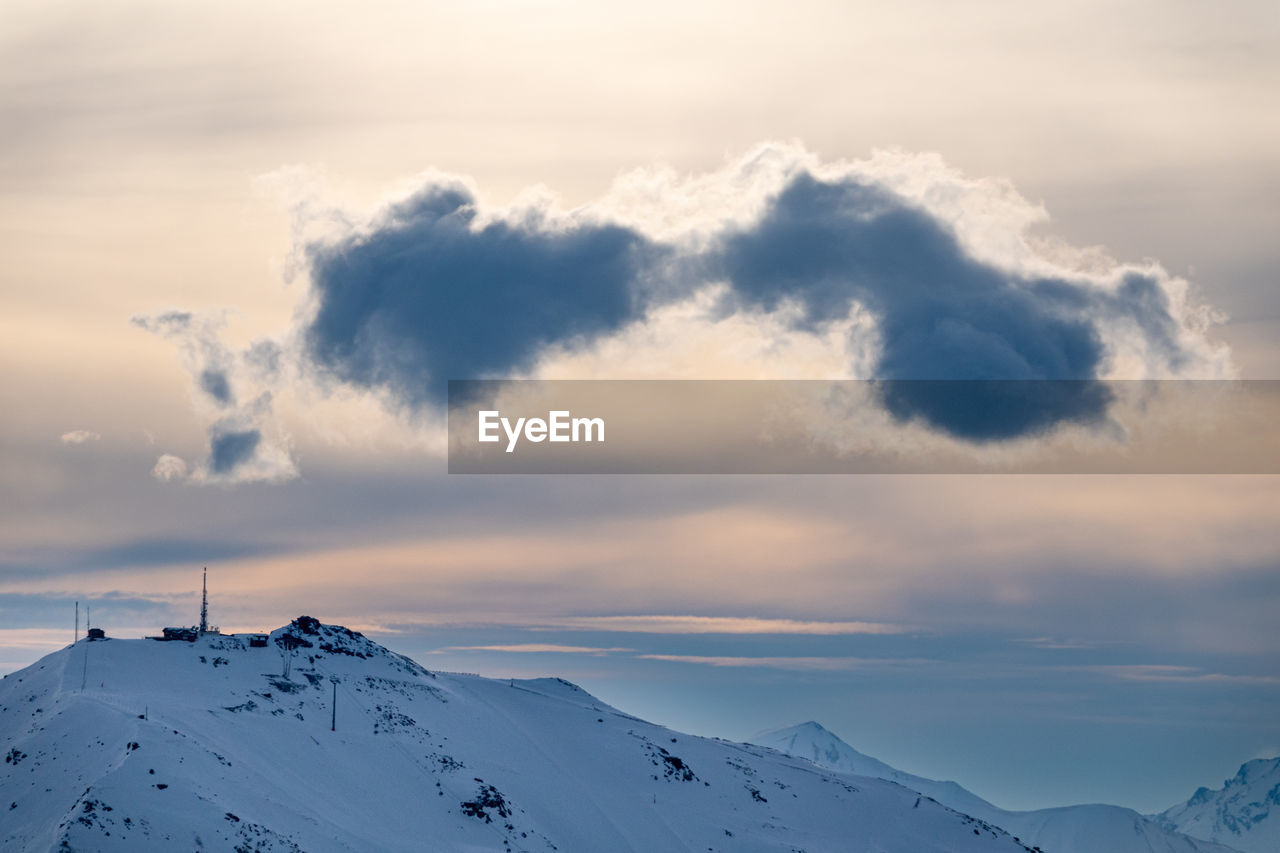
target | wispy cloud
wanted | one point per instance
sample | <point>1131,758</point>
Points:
<point>169,467</point>
<point>538,648</point>
<point>79,436</point>
<point>38,639</point>
<point>1055,643</point>
<point>665,624</point>
<point>792,663</point>
<point>245,444</point>
<point>1176,674</point>
<point>20,646</point>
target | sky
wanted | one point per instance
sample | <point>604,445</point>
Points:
<point>217,349</point>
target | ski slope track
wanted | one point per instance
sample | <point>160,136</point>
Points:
<point>138,745</point>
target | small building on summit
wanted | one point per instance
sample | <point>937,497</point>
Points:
<point>195,632</point>
<point>191,634</point>
<point>97,634</point>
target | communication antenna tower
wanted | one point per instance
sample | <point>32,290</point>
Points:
<point>204,603</point>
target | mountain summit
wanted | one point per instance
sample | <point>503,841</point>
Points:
<point>1069,829</point>
<point>235,743</point>
<point>1245,813</point>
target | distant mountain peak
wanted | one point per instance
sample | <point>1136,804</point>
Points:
<point>1256,768</point>
<point>1244,812</point>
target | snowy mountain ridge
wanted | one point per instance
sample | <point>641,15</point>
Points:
<point>1244,813</point>
<point>136,745</point>
<point>1068,829</point>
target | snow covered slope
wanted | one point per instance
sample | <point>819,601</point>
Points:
<point>135,745</point>
<point>1070,829</point>
<point>1244,814</point>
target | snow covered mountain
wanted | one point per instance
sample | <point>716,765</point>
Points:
<point>1070,829</point>
<point>1245,813</point>
<point>136,745</point>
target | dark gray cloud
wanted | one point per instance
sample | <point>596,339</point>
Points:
<point>430,293</point>
<point>942,314</point>
<point>995,410</point>
<point>216,384</point>
<point>428,296</point>
<point>229,449</point>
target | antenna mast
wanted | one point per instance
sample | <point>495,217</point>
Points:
<point>204,603</point>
